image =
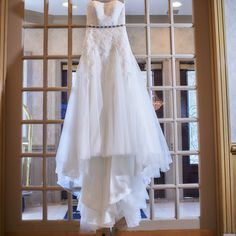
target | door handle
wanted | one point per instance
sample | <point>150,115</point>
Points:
<point>233,149</point>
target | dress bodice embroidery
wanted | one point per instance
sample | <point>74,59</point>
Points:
<point>105,14</point>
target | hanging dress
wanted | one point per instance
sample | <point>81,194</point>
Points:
<point>111,144</point>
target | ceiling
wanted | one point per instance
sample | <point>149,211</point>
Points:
<point>133,7</point>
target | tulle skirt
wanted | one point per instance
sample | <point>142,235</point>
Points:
<point>111,144</point>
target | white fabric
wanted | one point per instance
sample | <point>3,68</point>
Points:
<point>111,143</point>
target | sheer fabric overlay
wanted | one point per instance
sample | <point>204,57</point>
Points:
<point>111,144</point>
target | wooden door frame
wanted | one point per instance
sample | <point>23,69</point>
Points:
<point>226,164</point>
<point>3,69</point>
<point>226,213</point>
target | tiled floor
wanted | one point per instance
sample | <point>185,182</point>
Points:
<point>162,210</point>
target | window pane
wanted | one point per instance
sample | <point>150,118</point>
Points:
<point>55,46</point>
<point>77,43</point>
<point>230,35</point>
<point>57,205</point>
<point>159,11</point>
<point>184,41</point>
<point>188,136</point>
<point>168,130</point>
<point>34,11</point>
<point>57,104</point>
<point>185,73</point>
<point>134,14</point>
<point>76,213</point>
<point>57,73</point>
<point>79,9</point>
<point>183,12</point>
<point>161,72</point>
<point>32,105</point>
<point>188,169</point>
<point>137,39</point>
<point>162,101</point>
<point>167,177</point>
<point>57,12</point>
<point>51,176</point>
<point>32,138</point>
<point>74,77</point>
<point>189,205</point>
<point>142,63</point>
<point>31,171</point>
<point>160,41</point>
<point>32,73</point>
<point>33,42</point>
<point>145,212</point>
<point>32,202</point>
<point>164,203</point>
<point>53,136</point>
<point>186,103</point>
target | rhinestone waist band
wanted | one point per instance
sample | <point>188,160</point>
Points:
<point>104,26</point>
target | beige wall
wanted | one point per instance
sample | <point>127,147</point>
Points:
<point>184,38</point>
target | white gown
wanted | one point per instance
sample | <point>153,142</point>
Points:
<point>111,143</point>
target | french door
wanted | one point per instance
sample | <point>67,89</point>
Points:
<point>170,40</point>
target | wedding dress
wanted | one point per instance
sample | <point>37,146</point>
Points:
<point>111,143</point>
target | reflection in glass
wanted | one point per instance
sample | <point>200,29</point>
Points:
<point>57,41</point>
<point>57,205</point>
<point>31,207</point>
<point>32,138</point>
<point>189,205</point>
<point>57,105</point>
<point>32,108</point>
<point>159,11</point>
<point>34,11</point>
<point>164,203</point>
<point>137,39</point>
<point>53,136</point>
<point>160,41</point>
<point>31,171</point>
<point>33,42</point>
<point>32,73</point>
<point>188,136</point>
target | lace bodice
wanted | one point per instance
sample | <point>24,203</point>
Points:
<point>105,14</point>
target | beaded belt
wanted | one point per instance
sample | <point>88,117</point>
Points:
<point>104,26</point>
